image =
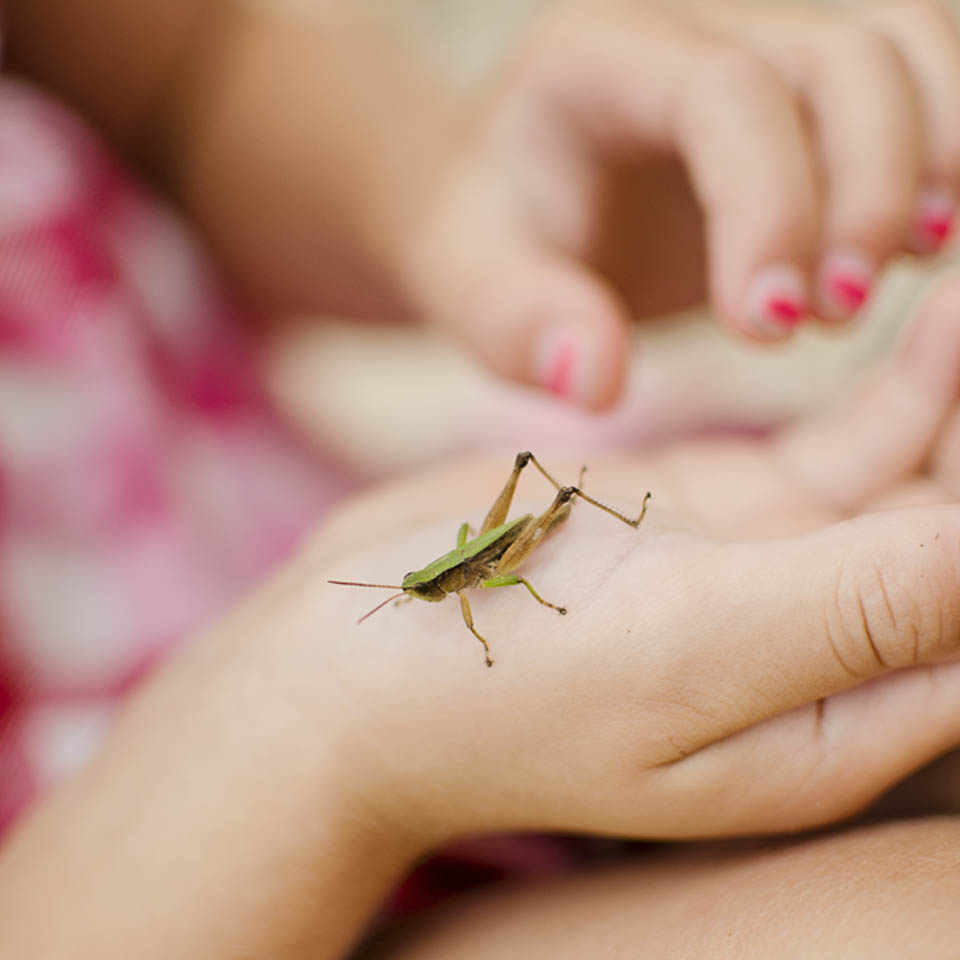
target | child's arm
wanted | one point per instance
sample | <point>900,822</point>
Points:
<point>300,145</point>
<point>220,820</point>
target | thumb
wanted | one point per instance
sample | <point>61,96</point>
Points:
<point>781,624</point>
<point>535,316</point>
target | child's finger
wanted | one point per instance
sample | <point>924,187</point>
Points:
<point>534,316</point>
<point>637,83</point>
<point>865,114</point>
<point>741,136</point>
<point>843,751</point>
<point>928,40</point>
<point>886,430</point>
<point>830,610</point>
<point>861,102</point>
<point>593,90</point>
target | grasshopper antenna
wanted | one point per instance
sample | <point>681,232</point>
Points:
<point>370,613</point>
<point>353,583</point>
<point>384,586</point>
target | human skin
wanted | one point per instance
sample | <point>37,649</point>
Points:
<point>627,158</point>
<point>886,891</point>
<point>771,650</point>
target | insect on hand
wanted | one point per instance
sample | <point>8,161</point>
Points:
<point>489,559</point>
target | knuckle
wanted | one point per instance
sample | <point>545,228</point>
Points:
<point>893,612</point>
<point>730,88</point>
<point>878,622</point>
<point>940,632</point>
<point>845,43</point>
<point>724,69</point>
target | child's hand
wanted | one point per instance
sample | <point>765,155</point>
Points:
<point>711,674</point>
<point>632,157</point>
<point>802,148</point>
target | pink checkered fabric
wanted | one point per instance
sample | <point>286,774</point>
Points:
<point>145,482</point>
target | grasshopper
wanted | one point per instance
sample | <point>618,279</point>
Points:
<point>489,559</point>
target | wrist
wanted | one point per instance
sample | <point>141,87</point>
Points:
<point>225,808</point>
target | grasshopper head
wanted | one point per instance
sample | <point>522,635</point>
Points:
<point>422,589</point>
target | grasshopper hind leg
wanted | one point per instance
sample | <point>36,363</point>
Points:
<point>468,620</point>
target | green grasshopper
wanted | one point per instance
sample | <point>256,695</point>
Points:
<point>489,559</point>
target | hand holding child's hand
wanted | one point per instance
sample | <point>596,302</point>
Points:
<point>802,148</point>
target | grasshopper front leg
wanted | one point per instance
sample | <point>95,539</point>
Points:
<point>468,620</point>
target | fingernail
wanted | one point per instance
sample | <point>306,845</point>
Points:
<point>558,363</point>
<point>933,219</point>
<point>846,280</point>
<point>776,302</point>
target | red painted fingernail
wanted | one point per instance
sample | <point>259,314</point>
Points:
<point>937,228</point>
<point>846,279</point>
<point>561,362</point>
<point>776,302</point>
<point>789,312</point>
<point>559,375</point>
<point>934,219</point>
<point>849,292</point>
